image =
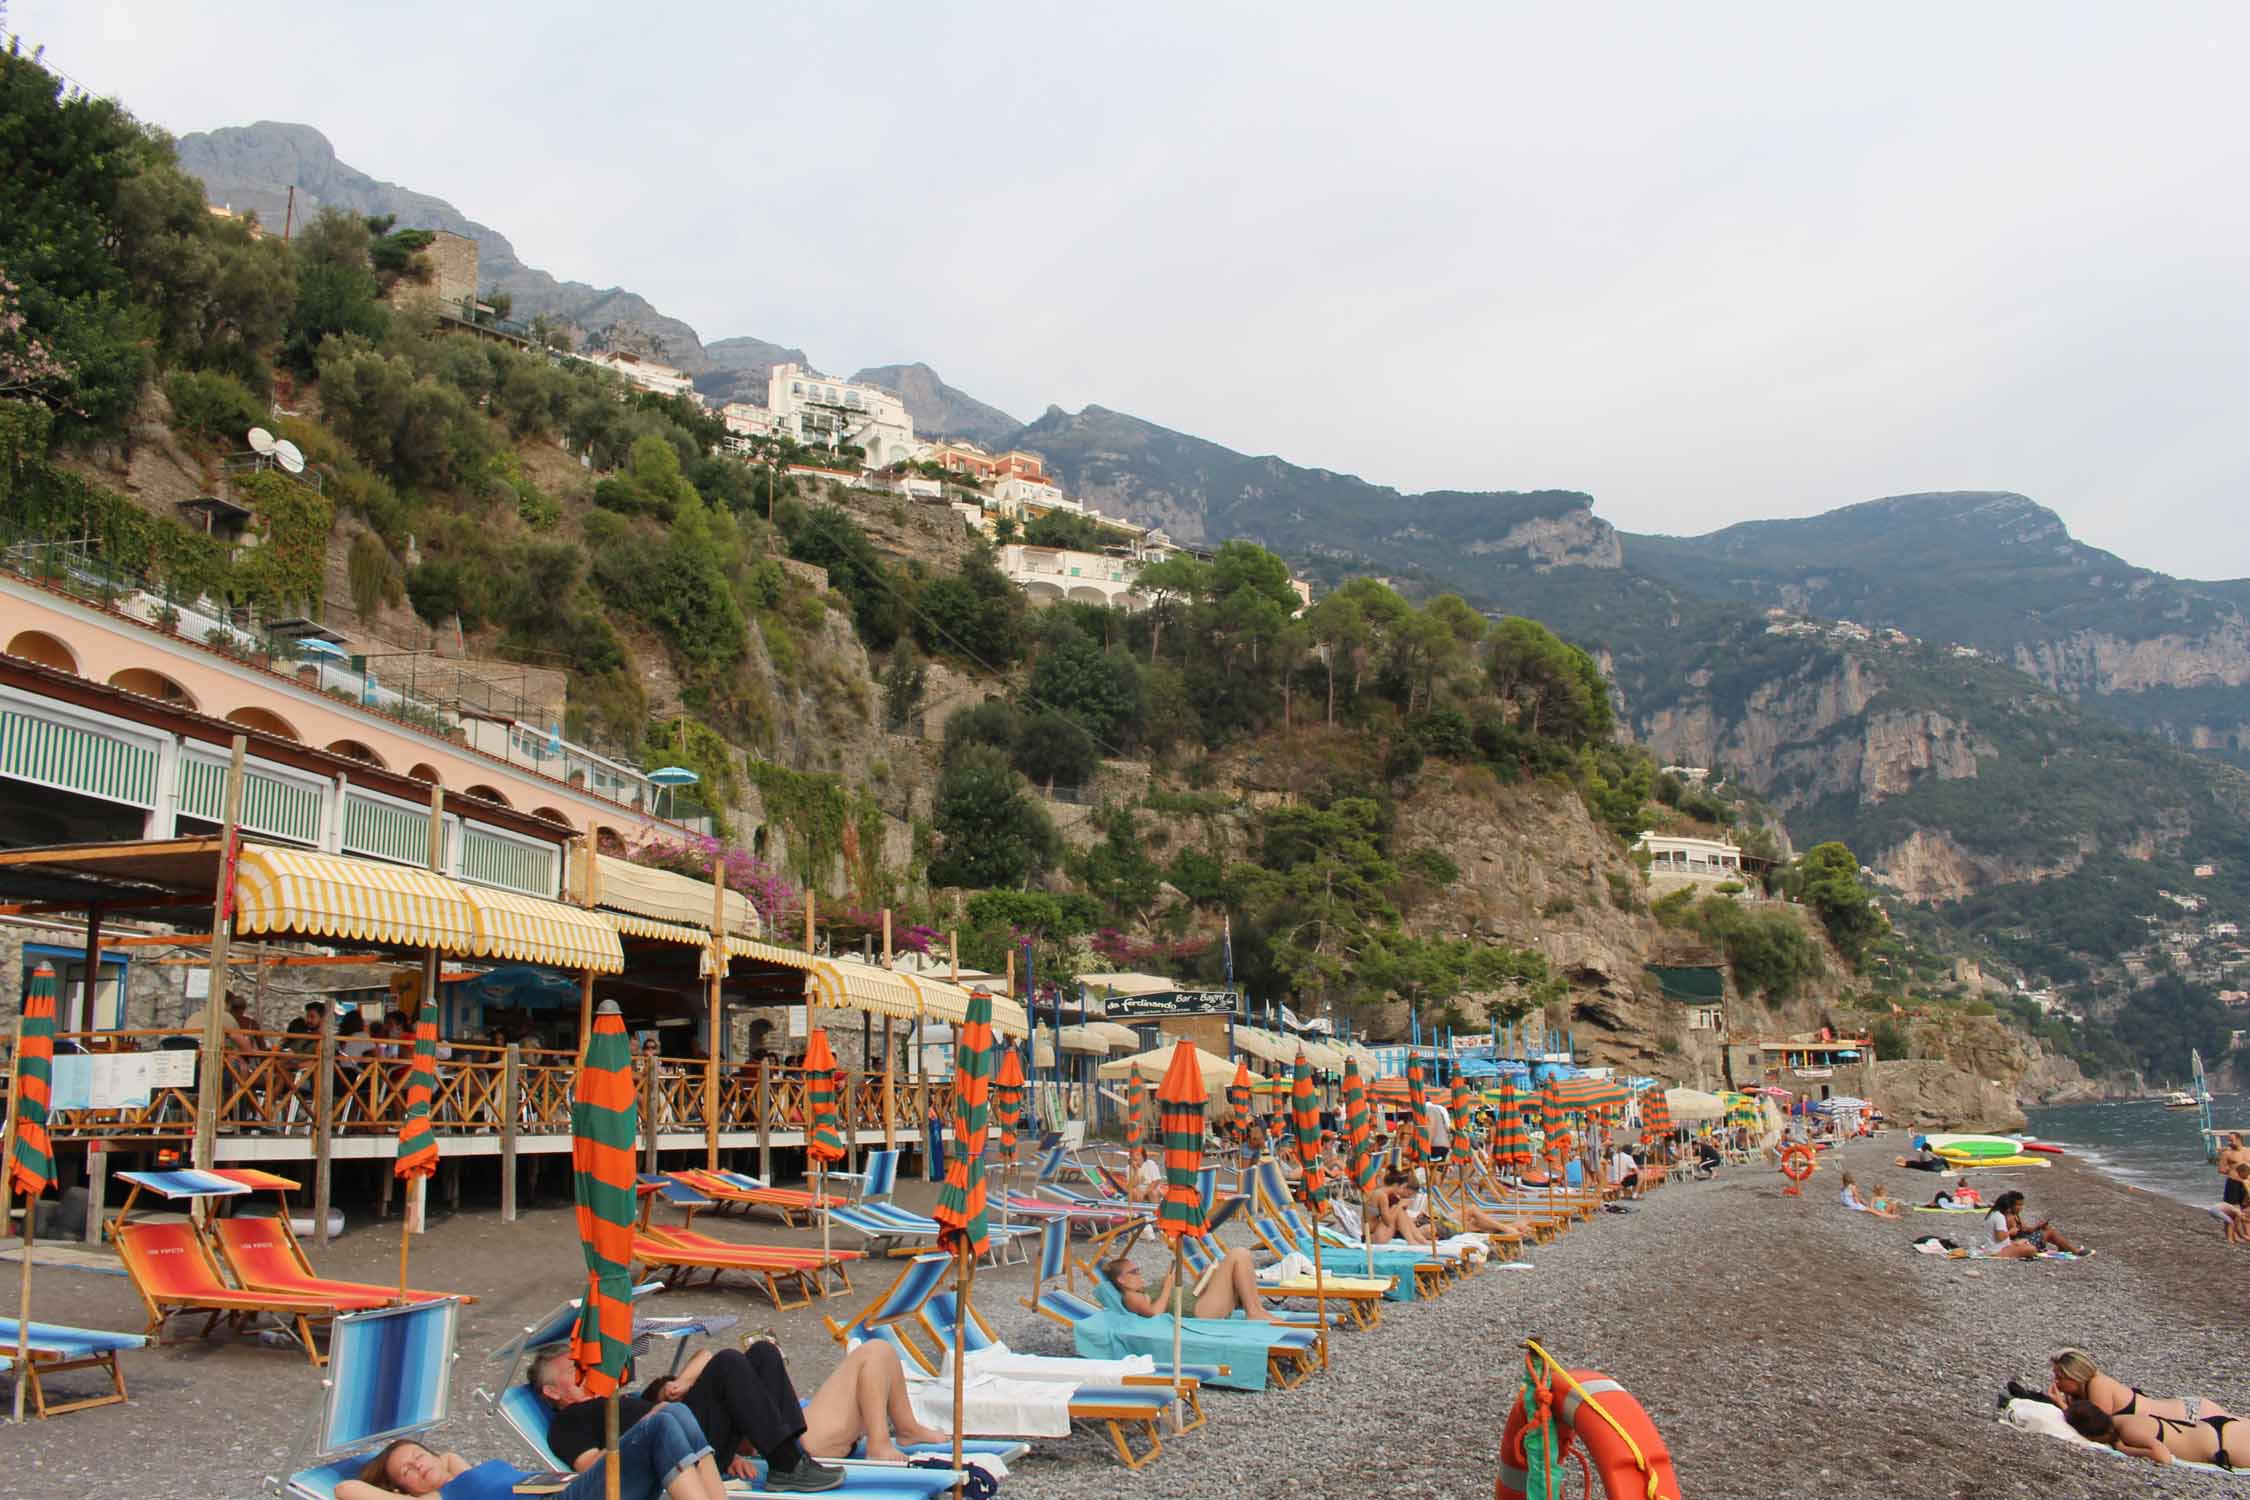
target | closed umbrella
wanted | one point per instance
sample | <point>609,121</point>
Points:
<point>1305,1107</point>
<point>1007,1111</point>
<point>1656,1118</point>
<point>824,1133</point>
<point>1238,1095</point>
<point>962,1227</point>
<point>1359,1132</point>
<point>1551,1127</point>
<point>417,1142</point>
<point>604,1118</point>
<point>1136,1127</point>
<point>1179,1216</point>
<point>1457,1105</point>
<point>31,1154</point>
<point>1414,1145</point>
<point>1511,1143</point>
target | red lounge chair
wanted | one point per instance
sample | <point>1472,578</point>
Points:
<point>172,1269</point>
<point>675,1254</point>
<point>264,1255</point>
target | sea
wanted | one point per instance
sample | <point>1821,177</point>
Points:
<point>2141,1142</point>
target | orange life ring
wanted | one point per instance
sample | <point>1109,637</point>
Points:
<point>1798,1162</point>
<point>1607,1450</point>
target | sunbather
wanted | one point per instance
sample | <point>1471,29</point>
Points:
<point>1388,1216</point>
<point>664,1455</point>
<point>1230,1285</point>
<point>742,1399</point>
<point>2075,1377</point>
<point>1881,1204</point>
<point>2224,1441</point>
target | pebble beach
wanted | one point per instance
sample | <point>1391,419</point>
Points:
<point>1784,1347</point>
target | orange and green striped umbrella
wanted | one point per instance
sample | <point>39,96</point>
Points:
<point>1179,1111</point>
<point>1584,1093</point>
<point>417,1142</point>
<point>1007,1100</point>
<point>1457,1105</point>
<point>32,1161</point>
<point>1414,1145</point>
<point>824,1124</point>
<point>1136,1125</point>
<point>1304,1107</point>
<point>1511,1143</point>
<point>1238,1092</point>
<point>960,1206</point>
<point>1656,1117</point>
<point>1359,1128</point>
<point>604,1119</point>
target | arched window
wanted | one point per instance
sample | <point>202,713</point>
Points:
<point>153,685</point>
<point>552,814</point>
<point>358,751</point>
<point>427,773</point>
<point>38,646</point>
<point>250,716</point>
<point>489,794</point>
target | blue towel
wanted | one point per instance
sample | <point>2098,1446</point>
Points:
<point>1390,1260</point>
<point>1237,1343</point>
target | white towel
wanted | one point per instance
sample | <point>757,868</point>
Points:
<point>991,1407</point>
<point>1289,1268</point>
<point>999,1362</point>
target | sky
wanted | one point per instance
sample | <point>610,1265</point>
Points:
<point>1706,263</point>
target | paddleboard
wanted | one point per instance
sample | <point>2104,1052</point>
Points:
<point>1978,1163</point>
<point>1975,1145</point>
<point>2042,1148</point>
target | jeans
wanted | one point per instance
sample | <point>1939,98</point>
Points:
<point>651,1453</point>
<point>743,1399</point>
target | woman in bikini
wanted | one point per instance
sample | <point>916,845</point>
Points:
<point>1231,1285</point>
<point>2224,1441</point>
<point>2078,1378</point>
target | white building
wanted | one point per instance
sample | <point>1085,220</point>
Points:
<point>746,421</point>
<point>1022,497</point>
<point>814,409</point>
<point>1674,863</point>
<point>643,372</point>
<point>1051,574</point>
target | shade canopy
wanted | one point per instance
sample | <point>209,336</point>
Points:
<point>1113,1036</point>
<point>1694,1105</point>
<point>1150,1067</point>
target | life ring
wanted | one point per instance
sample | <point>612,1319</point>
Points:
<point>1797,1164</point>
<point>1611,1425</point>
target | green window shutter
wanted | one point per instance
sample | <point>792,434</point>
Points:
<point>386,832</point>
<point>489,860</point>
<point>270,805</point>
<point>75,758</point>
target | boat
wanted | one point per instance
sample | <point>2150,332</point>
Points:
<point>2179,1099</point>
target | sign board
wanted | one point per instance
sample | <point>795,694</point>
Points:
<point>121,1080</point>
<point>1174,1003</point>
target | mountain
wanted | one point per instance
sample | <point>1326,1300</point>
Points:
<point>252,167</point>
<point>738,368</point>
<point>938,409</point>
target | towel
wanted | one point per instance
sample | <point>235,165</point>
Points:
<point>1000,1362</point>
<point>992,1406</point>
<point>2046,1419</point>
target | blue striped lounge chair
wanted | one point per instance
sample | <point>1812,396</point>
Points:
<point>1357,1299</point>
<point>55,1349</point>
<point>389,1371</point>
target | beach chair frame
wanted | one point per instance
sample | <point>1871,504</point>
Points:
<point>58,1349</point>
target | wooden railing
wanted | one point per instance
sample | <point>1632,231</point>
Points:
<point>273,1088</point>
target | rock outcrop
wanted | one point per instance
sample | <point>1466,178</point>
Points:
<point>1932,1094</point>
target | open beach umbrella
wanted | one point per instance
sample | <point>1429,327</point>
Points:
<point>1179,1215</point>
<point>1583,1093</point>
<point>1136,1125</point>
<point>1741,1111</point>
<point>417,1142</point>
<point>1414,1144</point>
<point>824,1132</point>
<point>962,1226</point>
<point>31,1153</point>
<point>604,1118</point>
<point>1304,1107</point>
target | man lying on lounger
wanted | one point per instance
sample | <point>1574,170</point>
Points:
<point>747,1406</point>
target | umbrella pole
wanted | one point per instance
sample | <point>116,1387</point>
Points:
<point>827,1262</point>
<point>30,1217</point>
<point>967,1277</point>
<point>1320,1294</point>
<point>1179,1285</point>
<point>403,1242</point>
<point>611,1461</point>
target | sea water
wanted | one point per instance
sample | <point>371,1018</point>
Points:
<point>2141,1142</point>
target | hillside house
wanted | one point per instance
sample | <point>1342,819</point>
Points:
<point>814,409</point>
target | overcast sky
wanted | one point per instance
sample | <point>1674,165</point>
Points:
<point>1704,262</point>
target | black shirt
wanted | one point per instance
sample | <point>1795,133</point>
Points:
<point>577,1428</point>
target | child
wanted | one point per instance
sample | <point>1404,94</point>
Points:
<point>1849,1197</point>
<point>1882,1207</point>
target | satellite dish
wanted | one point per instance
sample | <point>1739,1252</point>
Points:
<point>285,454</point>
<point>261,441</point>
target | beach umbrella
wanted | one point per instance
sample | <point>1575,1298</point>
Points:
<point>604,1119</point>
<point>1551,1125</point>
<point>1007,1101</point>
<point>1305,1110</point>
<point>962,1227</point>
<point>1583,1093</point>
<point>1414,1145</point>
<point>1136,1128</point>
<point>824,1132</point>
<point>1457,1105</point>
<point>1238,1093</point>
<point>1511,1143</point>
<point>1359,1133</point>
<point>31,1154</point>
<point>1179,1215</point>
<point>1741,1111</point>
<point>1656,1118</point>
<point>417,1142</point>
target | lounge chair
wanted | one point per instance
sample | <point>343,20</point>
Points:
<point>1357,1300</point>
<point>527,1414</point>
<point>173,1270</point>
<point>265,1256</point>
<point>742,1191</point>
<point>675,1254</point>
<point>56,1349</point>
<point>389,1375</point>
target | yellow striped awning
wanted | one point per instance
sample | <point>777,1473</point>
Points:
<point>866,987</point>
<point>630,925</point>
<point>330,895</point>
<point>1009,1018</point>
<point>529,929</point>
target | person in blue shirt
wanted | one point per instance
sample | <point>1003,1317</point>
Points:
<point>664,1454</point>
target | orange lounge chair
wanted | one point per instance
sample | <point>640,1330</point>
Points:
<point>265,1256</point>
<point>739,1191</point>
<point>173,1270</point>
<point>673,1255</point>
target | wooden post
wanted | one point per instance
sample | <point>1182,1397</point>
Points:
<point>324,1123</point>
<point>765,1120</point>
<point>585,1013</point>
<point>84,1019</point>
<point>511,1102</point>
<point>810,900</point>
<point>711,1041</point>
<point>890,1074</point>
<point>97,1191</point>
<point>210,1078</point>
<point>648,1112</point>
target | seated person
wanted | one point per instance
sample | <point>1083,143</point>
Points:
<point>1625,1173</point>
<point>1959,1195</point>
<point>663,1455</point>
<point>1881,1205</point>
<point>1144,1179</point>
<point>1230,1285</point>
<point>744,1402</point>
<point>1850,1197</point>
<point>2005,1236</point>
<point>2224,1441</point>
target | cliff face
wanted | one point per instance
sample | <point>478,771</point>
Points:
<point>1576,538</point>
